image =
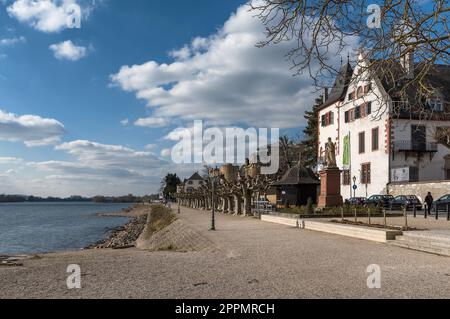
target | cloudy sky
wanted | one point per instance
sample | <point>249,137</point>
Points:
<point>92,110</point>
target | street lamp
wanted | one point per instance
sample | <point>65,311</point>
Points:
<point>214,175</point>
<point>354,186</point>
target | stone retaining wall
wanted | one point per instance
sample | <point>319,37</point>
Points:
<point>438,189</point>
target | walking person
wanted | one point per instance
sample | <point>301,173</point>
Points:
<point>429,201</point>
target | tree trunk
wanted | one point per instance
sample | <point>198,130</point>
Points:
<point>248,204</point>
<point>237,205</point>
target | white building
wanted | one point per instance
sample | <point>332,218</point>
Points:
<point>387,142</point>
<point>191,184</point>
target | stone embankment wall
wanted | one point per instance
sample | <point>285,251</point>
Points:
<point>438,189</point>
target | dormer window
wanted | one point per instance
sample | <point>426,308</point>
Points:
<point>436,104</point>
<point>352,96</point>
<point>360,92</point>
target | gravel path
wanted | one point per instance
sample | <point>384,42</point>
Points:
<point>253,260</point>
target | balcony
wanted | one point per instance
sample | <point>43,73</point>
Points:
<point>408,111</point>
<point>414,146</point>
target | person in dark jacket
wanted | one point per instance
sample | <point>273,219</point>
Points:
<point>429,201</point>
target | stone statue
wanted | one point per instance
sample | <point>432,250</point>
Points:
<point>330,151</point>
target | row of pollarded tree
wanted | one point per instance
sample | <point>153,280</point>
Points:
<point>233,191</point>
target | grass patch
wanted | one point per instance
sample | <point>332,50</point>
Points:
<point>159,218</point>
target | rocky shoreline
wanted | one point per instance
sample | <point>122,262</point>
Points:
<point>123,237</point>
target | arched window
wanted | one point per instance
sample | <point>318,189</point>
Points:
<point>360,92</point>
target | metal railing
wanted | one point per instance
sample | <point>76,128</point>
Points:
<point>415,146</point>
<point>262,208</point>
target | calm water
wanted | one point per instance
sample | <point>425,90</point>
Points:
<point>50,227</point>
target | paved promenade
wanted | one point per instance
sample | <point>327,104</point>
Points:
<point>250,259</point>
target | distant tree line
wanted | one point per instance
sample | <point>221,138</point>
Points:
<point>97,199</point>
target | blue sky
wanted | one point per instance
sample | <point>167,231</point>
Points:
<point>90,111</point>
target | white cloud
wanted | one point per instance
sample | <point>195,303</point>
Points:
<point>125,122</point>
<point>166,152</point>
<point>151,147</point>
<point>10,160</point>
<point>98,155</point>
<point>67,50</point>
<point>47,15</point>
<point>30,129</point>
<point>97,168</point>
<point>152,122</point>
<point>224,79</point>
<point>181,54</point>
<point>12,41</point>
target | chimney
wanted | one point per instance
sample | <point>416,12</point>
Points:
<point>407,63</point>
<point>325,95</point>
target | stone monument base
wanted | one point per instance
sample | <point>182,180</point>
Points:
<point>330,188</point>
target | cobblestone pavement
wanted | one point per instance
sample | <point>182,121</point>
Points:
<point>253,260</point>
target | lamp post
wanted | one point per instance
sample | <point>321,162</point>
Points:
<point>214,174</point>
<point>354,186</point>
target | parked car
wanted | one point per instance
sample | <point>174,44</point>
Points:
<point>355,201</point>
<point>441,203</point>
<point>408,201</point>
<point>379,200</point>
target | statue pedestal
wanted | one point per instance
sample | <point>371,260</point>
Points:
<point>330,188</point>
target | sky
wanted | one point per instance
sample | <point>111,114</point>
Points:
<point>95,110</point>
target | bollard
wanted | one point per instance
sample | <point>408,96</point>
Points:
<point>405,213</point>
<point>448,212</point>
<point>370,217</point>
<point>356,216</point>
<point>426,211</point>
<point>385,218</point>
<point>437,212</point>
<point>342,213</point>
<point>415,211</point>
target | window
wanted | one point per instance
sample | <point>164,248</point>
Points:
<point>447,167</point>
<point>413,174</point>
<point>357,113</point>
<point>375,139</point>
<point>360,92</point>
<point>443,135</point>
<point>418,137</point>
<point>331,118</point>
<point>190,183</point>
<point>368,107</point>
<point>346,179</point>
<point>351,115</point>
<point>362,142</point>
<point>368,88</point>
<point>351,96</point>
<point>436,104</point>
<point>362,110</point>
<point>365,174</point>
<point>327,119</point>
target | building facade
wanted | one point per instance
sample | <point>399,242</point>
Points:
<point>377,141</point>
<point>191,184</point>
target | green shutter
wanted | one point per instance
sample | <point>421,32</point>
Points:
<point>346,158</point>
